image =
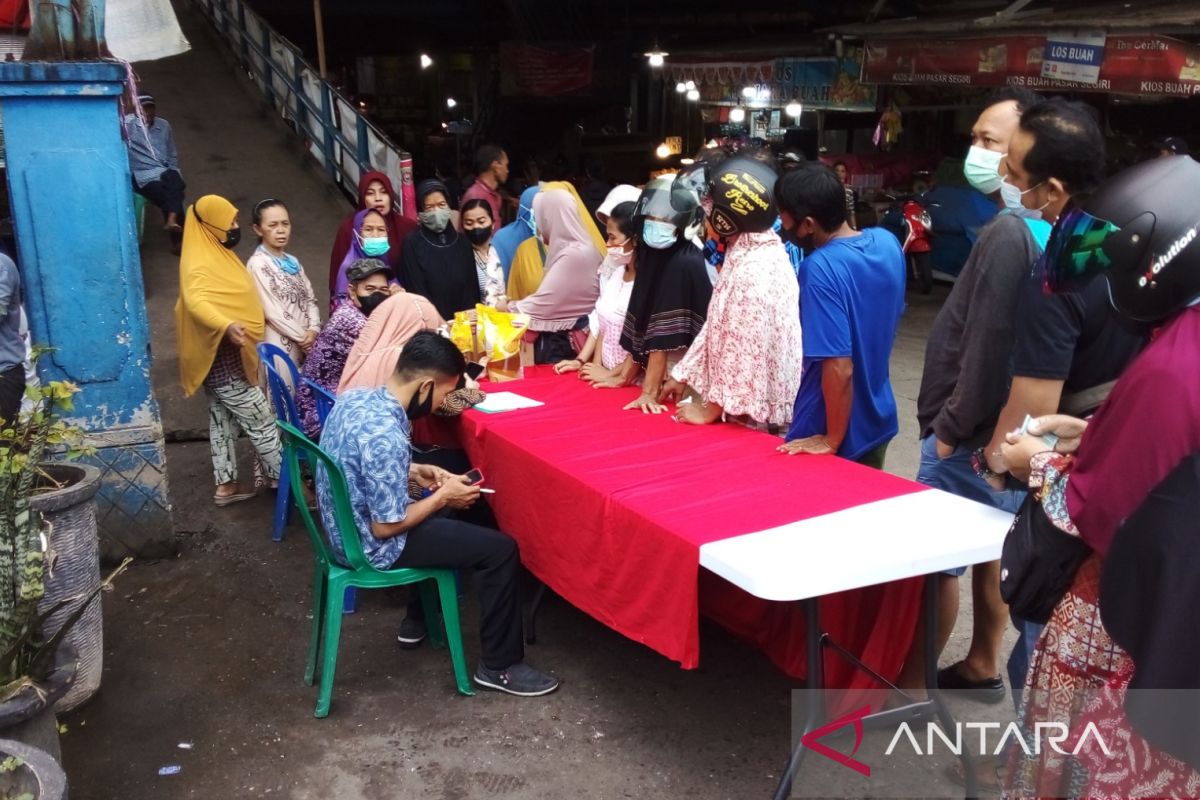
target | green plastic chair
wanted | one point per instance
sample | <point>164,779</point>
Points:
<point>331,579</point>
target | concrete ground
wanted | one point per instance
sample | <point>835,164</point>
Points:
<point>208,650</point>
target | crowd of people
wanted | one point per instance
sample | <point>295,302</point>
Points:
<point>741,291</point>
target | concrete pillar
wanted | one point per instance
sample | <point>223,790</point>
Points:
<point>72,206</point>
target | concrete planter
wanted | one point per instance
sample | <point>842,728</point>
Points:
<point>39,775</point>
<point>73,571</point>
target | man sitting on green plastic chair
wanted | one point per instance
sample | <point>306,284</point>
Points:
<point>369,433</point>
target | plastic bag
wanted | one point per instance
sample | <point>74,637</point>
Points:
<point>499,334</point>
<point>462,333</point>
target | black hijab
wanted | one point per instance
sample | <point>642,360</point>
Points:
<point>669,300</point>
<point>439,265</point>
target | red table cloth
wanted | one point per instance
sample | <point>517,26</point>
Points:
<point>610,508</point>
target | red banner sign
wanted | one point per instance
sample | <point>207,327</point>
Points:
<point>1132,64</point>
<point>530,71</point>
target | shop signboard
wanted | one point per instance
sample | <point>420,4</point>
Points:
<point>1151,65</point>
<point>824,83</point>
<point>532,71</point>
<point>1073,57</point>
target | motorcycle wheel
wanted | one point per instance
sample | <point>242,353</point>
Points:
<point>920,266</point>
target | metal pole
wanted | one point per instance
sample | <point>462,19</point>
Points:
<point>320,23</point>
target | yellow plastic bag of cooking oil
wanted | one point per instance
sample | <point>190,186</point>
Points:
<point>500,340</point>
<point>463,335</point>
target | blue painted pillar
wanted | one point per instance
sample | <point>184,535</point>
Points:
<point>77,244</point>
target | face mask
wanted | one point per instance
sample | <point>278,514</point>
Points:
<point>1011,195</point>
<point>375,246</point>
<point>657,234</point>
<point>982,169</point>
<point>419,408</point>
<point>620,256</point>
<point>803,243</point>
<point>372,301</point>
<point>435,220</point>
<point>479,235</point>
<point>232,237</point>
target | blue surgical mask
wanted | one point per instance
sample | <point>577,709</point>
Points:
<point>375,246</point>
<point>659,235</point>
<point>1012,196</point>
<point>982,169</point>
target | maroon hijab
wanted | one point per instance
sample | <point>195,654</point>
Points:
<point>398,226</point>
<point>1147,426</point>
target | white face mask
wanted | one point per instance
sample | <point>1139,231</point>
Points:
<point>620,256</point>
<point>982,169</point>
<point>1012,197</point>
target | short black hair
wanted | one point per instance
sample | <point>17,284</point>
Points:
<point>487,155</point>
<point>622,215</point>
<point>430,354</point>
<point>1024,98</point>
<point>477,202</point>
<point>1068,144</point>
<point>762,154</point>
<point>813,190</point>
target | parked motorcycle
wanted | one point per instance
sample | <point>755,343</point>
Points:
<point>908,219</point>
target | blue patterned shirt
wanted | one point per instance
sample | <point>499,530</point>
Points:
<point>368,433</point>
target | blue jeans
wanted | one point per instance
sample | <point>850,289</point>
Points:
<point>1022,654</point>
<point>954,474</point>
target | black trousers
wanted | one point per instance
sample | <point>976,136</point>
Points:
<point>12,387</point>
<point>166,193</point>
<point>495,560</point>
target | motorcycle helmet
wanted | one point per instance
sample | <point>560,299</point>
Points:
<point>743,196</point>
<point>1139,230</point>
<point>669,200</point>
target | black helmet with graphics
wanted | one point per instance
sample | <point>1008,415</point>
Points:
<point>1139,230</point>
<point>666,199</point>
<point>742,193</point>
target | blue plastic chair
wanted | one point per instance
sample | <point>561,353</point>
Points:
<point>285,411</point>
<point>324,400</point>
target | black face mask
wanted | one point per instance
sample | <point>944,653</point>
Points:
<point>805,243</point>
<point>372,301</point>
<point>478,235</point>
<point>232,237</point>
<point>419,408</point>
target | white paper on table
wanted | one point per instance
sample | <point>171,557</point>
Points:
<point>496,402</point>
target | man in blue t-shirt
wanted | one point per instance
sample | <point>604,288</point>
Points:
<point>851,299</point>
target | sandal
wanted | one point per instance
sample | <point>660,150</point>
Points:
<point>223,500</point>
<point>989,777</point>
<point>988,690</point>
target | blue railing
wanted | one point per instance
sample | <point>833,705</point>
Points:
<point>340,138</point>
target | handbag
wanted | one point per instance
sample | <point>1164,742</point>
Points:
<point>1038,563</point>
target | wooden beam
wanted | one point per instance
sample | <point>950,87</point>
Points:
<point>320,23</point>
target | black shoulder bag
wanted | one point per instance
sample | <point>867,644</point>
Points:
<point>1038,563</point>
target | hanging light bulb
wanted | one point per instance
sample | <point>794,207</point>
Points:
<point>451,102</point>
<point>748,92</point>
<point>794,109</point>
<point>690,85</point>
<point>681,87</point>
<point>737,114</point>
<point>655,56</point>
<point>426,61</point>
<point>662,151</point>
<point>693,94</point>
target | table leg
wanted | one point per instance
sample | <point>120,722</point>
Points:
<point>814,715</point>
<point>531,620</point>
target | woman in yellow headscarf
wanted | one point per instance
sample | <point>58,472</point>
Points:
<point>218,320</point>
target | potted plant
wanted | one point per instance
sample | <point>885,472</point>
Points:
<point>36,666</point>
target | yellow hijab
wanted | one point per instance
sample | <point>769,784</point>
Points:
<point>529,262</point>
<point>215,290</point>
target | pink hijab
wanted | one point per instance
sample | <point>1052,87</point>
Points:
<point>373,357</point>
<point>569,289</point>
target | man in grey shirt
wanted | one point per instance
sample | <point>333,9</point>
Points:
<point>155,165</point>
<point>12,345</point>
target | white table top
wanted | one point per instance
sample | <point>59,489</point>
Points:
<point>901,537</point>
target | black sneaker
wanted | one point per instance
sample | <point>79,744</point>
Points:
<point>519,679</point>
<point>412,632</point>
<point>989,690</point>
